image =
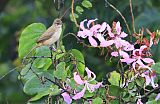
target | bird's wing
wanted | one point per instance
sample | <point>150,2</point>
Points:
<point>46,35</point>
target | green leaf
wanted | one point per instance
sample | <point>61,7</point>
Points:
<point>156,67</point>
<point>152,96</point>
<point>87,94</point>
<point>153,102</point>
<point>97,100</point>
<point>25,73</point>
<point>79,9</point>
<point>140,81</point>
<point>28,38</point>
<point>126,96</point>
<point>75,15</point>
<point>43,63</point>
<point>34,84</point>
<point>78,55</point>
<point>61,72</point>
<point>52,91</point>
<point>114,90</point>
<point>87,4</point>
<point>131,85</point>
<point>40,95</point>
<point>80,60</point>
<point>148,19</point>
<point>114,78</point>
<point>114,102</point>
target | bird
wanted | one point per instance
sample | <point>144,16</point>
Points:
<point>49,37</point>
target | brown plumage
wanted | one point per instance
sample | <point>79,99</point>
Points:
<point>50,36</point>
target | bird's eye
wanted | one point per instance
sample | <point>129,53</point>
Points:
<point>58,23</point>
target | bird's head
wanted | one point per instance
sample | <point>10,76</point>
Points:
<point>57,22</point>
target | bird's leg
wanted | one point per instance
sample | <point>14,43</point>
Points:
<point>52,48</point>
<point>53,60</point>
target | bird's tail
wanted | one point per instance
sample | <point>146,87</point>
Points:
<point>36,46</point>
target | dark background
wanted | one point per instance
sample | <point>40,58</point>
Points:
<point>15,15</point>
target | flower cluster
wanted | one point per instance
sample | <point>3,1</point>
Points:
<point>82,82</point>
<point>102,35</point>
<point>114,37</point>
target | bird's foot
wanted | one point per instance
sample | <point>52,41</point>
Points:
<point>52,48</point>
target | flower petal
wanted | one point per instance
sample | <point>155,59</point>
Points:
<point>92,41</point>
<point>66,98</point>
<point>92,87</point>
<point>128,47</point>
<point>82,24</point>
<point>90,21</point>
<point>78,79</point>
<point>128,60</point>
<point>106,43</point>
<point>118,28</point>
<point>118,42</point>
<point>147,78</point>
<point>123,35</point>
<point>115,54</point>
<point>124,54</point>
<point>95,28</point>
<point>142,48</point>
<point>81,34</point>
<point>109,31</point>
<point>157,97</point>
<point>87,32</point>
<point>141,63</point>
<point>148,60</point>
<point>90,73</point>
<point>80,94</point>
<point>139,101</point>
<point>100,37</point>
<point>103,27</point>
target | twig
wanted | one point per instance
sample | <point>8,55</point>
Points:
<point>75,21</point>
<point>120,15</point>
<point>9,72</point>
<point>57,85</point>
<point>80,41</point>
<point>131,10</point>
<point>38,57</point>
<point>30,68</point>
<point>150,92</point>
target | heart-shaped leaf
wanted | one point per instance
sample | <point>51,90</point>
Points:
<point>28,38</point>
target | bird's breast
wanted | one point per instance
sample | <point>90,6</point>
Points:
<point>56,35</point>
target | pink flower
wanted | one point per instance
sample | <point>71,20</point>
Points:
<point>90,87</point>
<point>91,31</point>
<point>121,53</point>
<point>139,101</point>
<point>118,31</point>
<point>92,41</point>
<point>150,78</point>
<point>118,27</point>
<point>116,38</point>
<point>138,58</point>
<point>157,97</point>
<point>67,98</point>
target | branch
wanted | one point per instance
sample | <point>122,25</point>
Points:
<point>150,92</point>
<point>120,15</point>
<point>131,10</point>
<point>11,70</point>
<point>75,21</point>
<point>57,85</point>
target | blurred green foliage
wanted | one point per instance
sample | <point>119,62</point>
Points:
<point>15,15</point>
